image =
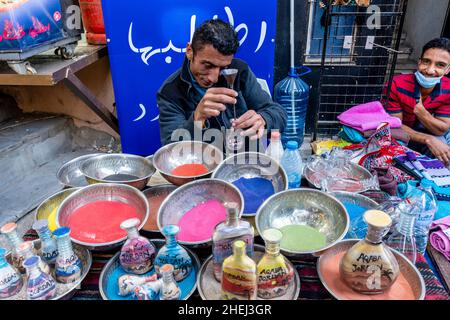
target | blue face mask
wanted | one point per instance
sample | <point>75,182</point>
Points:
<point>427,82</point>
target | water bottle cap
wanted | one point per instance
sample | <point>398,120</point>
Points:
<point>275,135</point>
<point>426,183</point>
<point>292,145</point>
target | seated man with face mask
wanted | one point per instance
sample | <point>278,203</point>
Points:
<point>422,101</point>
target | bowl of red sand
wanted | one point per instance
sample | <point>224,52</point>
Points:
<point>197,207</point>
<point>256,175</point>
<point>185,161</point>
<point>409,285</point>
<point>123,168</point>
<point>94,214</point>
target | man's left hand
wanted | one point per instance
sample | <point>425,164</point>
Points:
<point>253,122</point>
<point>419,109</point>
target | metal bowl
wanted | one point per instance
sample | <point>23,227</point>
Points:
<point>155,196</point>
<point>112,271</point>
<point>407,268</point>
<point>176,154</point>
<point>355,199</point>
<point>128,169</point>
<point>52,203</point>
<point>210,289</point>
<point>252,165</point>
<point>103,192</point>
<point>304,207</point>
<point>192,194</point>
<point>358,173</point>
<point>64,291</point>
<point>70,174</point>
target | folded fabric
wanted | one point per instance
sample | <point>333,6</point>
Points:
<point>440,236</point>
<point>443,210</point>
<point>350,134</point>
<point>397,133</point>
<point>368,116</point>
<point>385,180</point>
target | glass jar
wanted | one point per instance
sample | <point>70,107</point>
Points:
<point>68,266</point>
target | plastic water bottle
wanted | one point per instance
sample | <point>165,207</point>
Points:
<point>275,148</point>
<point>292,164</point>
<point>428,206</point>
<point>292,93</point>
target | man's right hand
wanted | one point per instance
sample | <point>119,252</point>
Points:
<point>214,102</point>
<point>440,149</point>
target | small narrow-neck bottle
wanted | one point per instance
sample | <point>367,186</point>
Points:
<point>169,287</point>
<point>68,266</point>
<point>239,275</point>
<point>9,230</point>
<point>369,266</point>
<point>49,250</point>
<point>227,232</point>
<point>10,280</point>
<point>275,274</point>
<point>138,253</point>
<point>40,286</point>
<point>402,238</point>
<point>26,251</point>
<point>173,253</point>
<point>149,290</point>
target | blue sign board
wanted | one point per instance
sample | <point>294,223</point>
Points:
<point>147,42</point>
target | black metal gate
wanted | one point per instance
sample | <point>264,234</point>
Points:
<point>358,54</point>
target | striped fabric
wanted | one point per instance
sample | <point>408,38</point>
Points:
<point>405,93</point>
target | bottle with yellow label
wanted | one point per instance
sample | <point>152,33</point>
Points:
<point>369,266</point>
<point>274,273</point>
<point>239,275</point>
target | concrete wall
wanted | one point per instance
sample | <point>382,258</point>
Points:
<point>424,21</point>
<point>59,99</point>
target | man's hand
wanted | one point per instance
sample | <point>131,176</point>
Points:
<point>253,122</point>
<point>439,149</point>
<point>419,110</point>
<point>213,102</point>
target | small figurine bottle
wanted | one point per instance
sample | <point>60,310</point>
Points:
<point>369,266</point>
<point>127,283</point>
<point>225,233</point>
<point>274,274</point>
<point>138,253</point>
<point>169,287</point>
<point>68,265</point>
<point>9,230</point>
<point>49,250</point>
<point>239,275</point>
<point>174,254</point>
<point>40,286</point>
<point>10,280</point>
<point>148,290</point>
<point>26,251</point>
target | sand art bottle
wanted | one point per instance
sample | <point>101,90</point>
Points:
<point>40,286</point>
<point>10,280</point>
<point>369,267</point>
<point>68,266</point>
<point>127,283</point>
<point>174,254</point>
<point>274,274</point>
<point>149,290</point>
<point>9,230</point>
<point>138,253</point>
<point>239,275</point>
<point>25,250</point>
<point>169,288</point>
<point>49,250</point>
<point>227,232</point>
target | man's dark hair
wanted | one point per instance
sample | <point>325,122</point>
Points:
<point>217,33</point>
<point>437,43</point>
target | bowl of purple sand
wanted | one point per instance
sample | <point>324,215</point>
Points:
<point>256,175</point>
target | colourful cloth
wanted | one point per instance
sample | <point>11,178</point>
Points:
<point>440,236</point>
<point>368,116</point>
<point>397,133</point>
<point>443,210</point>
<point>405,93</point>
<point>386,180</point>
<point>351,135</point>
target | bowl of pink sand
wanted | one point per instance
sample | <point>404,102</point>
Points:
<point>94,214</point>
<point>197,207</point>
<point>185,161</point>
